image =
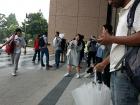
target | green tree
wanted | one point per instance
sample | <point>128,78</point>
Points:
<point>2,26</point>
<point>7,25</point>
<point>35,24</point>
<point>11,23</point>
<point>2,21</point>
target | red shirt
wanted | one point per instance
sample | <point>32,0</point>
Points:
<point>36,43</point>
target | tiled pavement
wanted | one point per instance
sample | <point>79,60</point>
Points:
<point>35,85</point>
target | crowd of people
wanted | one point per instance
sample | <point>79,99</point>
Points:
<point>72,52</point>
<point>105,52</point>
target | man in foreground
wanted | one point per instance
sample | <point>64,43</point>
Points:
<point>123,91</point>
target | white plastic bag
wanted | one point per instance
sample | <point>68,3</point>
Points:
<point>92,94</point>
<point>79,95</point>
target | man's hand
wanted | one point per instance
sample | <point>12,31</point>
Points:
<point>100,67</point>
<point>105,38</point>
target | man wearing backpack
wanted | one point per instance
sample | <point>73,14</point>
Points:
<point>92,49</point>
<point>123,90</point>
<point>43,42</point>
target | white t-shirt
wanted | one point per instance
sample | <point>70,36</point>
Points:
<point>45,39</point>
<point>117,51</point>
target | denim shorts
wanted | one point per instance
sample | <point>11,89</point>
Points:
<point>122,90</point>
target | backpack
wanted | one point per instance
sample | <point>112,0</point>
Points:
<point>131,60</point>
<point>63,44</point>
<point>92,46</point>
<point>41,42</point>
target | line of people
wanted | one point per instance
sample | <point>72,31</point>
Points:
<point>41,49</point>
<point>41,46</point>
<point>76,48</point>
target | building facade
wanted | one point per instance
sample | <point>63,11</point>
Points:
<point>77,16</point>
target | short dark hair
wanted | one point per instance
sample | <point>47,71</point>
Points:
<point>108,27</point>
<point>18,30</point>
<point>80,36</point>
<point>46,33</point>
<point>57,33</point>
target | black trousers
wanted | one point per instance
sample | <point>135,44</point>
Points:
<point>37,52</point>
<point>91,56</point>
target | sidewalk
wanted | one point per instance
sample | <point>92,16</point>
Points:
<point>61,94</point>
<point>37,86</point>
<point>65,98</point>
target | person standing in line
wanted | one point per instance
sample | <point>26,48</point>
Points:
<point>73,55</point>
<point>26,41</point>
<point>92,49</point>
<point>43,42</point>
<point>106,74</point>
<point>58,49</point>
<point>19,43</point>
<point>36,49</point>
<point>82,50</point>
<point>100,53</point>
<point>122,89</point>
<point>64,48</point>
<point>99,57</point>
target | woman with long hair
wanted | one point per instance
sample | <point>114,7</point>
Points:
<point>73,55</point>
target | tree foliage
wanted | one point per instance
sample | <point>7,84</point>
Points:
<point>34,24</point>
<point>11,23</point>
<point>3,28</point>
<point>2,21</point>
<point>7,25</point>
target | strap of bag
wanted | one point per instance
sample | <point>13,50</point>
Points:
<point>130,21</point>
<point>12,38</point>
<point>131,14</point>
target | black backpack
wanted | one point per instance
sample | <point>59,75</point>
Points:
<point>41,42</point>
<point>92,46</point>
<point>131,60</point>
<point>63,44</point>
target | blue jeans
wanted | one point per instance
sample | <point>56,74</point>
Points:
<point>123,91</point>
<point>46,52</point>
<point>57,57</point>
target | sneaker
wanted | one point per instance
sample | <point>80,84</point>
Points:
<point>47,67</point>
<point>67,74</point>
<point>50,66</point>
<point>11,64</point>
<point>62,62</point>
<point>13,74</point>
<point>87,75</point>
<point>42,65</point>
<point>77,76</point>
<point>33,61</point>
<point>57,66</point>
